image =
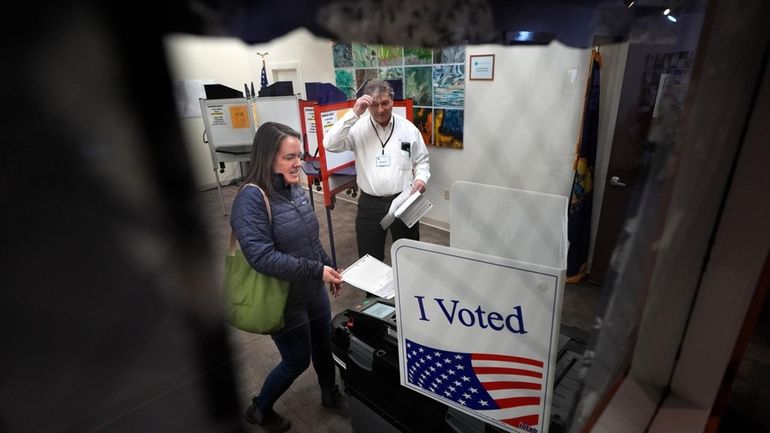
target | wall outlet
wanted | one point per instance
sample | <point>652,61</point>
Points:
<point>446,194</point>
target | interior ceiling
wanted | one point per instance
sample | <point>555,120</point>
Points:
<point>678,5</point>
<point>434,23</point>
<point>661,3</point>
<point>620,3</point>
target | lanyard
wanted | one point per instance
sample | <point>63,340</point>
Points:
<point>392,127</point>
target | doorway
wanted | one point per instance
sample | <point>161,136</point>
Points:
<point>653,74</point>
<point>289,71</point>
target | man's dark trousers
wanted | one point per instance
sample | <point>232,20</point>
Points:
<point>370,236</point>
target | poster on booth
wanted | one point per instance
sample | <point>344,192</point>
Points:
<point>477,332</point>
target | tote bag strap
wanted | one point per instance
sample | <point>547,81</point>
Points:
<point>231,248</point>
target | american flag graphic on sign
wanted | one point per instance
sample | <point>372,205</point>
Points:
<point>503,387</point>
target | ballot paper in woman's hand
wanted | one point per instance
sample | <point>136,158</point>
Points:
<point>370,275</point>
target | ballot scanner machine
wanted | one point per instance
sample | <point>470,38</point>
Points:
<point>365,349</point>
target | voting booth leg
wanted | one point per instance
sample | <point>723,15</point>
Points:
<point>310,192</point>
<point>219,191</point>
<point>331,236</point>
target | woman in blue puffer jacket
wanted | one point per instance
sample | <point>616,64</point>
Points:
<point>289,248</point>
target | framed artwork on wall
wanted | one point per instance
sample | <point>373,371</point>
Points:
<point>433,78</point>
<point>482,67</point>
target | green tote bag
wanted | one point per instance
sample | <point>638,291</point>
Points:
<point>255,301</point>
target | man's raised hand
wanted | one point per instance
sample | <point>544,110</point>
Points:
<point>362,104</point>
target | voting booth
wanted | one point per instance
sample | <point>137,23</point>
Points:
<point>330,172</point>
<point>334,172</point>
<point>473,341</point>
<point>231,123</point>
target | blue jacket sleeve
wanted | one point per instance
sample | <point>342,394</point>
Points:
<point>325,258</point>
<point>249,220</point>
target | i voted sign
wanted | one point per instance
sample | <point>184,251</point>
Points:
<point>478,333</point>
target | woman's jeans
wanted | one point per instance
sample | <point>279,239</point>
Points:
<point>298,346</point>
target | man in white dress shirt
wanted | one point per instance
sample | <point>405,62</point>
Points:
<point>390,156</point>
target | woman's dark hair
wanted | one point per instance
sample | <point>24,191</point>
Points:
<point>267,141</point>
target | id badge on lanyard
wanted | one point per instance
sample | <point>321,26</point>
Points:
<point>383,161</point>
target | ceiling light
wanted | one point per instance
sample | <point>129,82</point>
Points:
<point>671,18</point>
<point>667,11</point>
<point>523,37</point>
<point>628,3</point>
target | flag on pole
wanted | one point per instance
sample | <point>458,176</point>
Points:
<point>581,197</point>
<point>263,79</point>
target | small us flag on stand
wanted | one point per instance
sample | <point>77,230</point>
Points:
<point>263,79</point>
<point>503,387</point>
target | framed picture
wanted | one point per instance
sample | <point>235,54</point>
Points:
<point>482,67</point>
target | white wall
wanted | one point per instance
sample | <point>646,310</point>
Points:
<point>520,129</point>
<point>231,62</point>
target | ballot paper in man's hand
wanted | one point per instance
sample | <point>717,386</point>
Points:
<point>395,204</point>
<point>409,207</point>
<point>370,275</point>
<point>413,209</point>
